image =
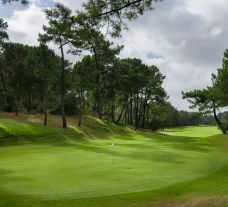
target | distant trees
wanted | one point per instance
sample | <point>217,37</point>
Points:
<point>223,117</point>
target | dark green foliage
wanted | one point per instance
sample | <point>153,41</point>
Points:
<point>23,79</point>
<point>123,91</point>
<point>3,33</point>
<point>130,93</point>
<point>220,82</point>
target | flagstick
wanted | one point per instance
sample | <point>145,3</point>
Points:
<point>113,154</point>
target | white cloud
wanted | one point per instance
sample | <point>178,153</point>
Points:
<point>185,38</point>
<point>215,32</point>
<point>25,25</point>
<point>189,37</point>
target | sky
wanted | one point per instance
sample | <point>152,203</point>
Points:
<point>186,39</point>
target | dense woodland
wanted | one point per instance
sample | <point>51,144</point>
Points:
<point>124,91</point>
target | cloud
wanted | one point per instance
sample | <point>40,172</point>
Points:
<point>215,32</point>
<point>25,25</point>
<point>187,40</point>
<point>184,38</point>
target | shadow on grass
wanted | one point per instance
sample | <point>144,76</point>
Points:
<point>212,187</point>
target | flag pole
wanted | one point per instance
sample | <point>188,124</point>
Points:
<point>113,153</point>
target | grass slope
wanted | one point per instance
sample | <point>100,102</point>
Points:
<point>49,166</point>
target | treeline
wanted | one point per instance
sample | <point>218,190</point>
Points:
<point>166,115</point>
<point>29,78</point>
<point>124,91</point>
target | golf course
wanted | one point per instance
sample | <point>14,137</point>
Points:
<point>51,166</point>
<point>113,103</point>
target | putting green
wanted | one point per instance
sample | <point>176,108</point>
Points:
<point>50,164</point>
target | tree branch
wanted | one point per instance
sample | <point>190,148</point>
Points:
<point>120,8</point>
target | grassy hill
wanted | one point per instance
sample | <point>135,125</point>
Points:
<point>50,166</point>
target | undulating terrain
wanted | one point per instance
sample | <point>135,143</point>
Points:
<point>51,166</point>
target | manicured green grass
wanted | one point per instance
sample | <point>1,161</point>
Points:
<point>49,166</point>
<point>193,131</point>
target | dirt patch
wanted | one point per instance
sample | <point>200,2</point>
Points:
<point>218,201</point>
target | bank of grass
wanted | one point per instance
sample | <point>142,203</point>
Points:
<point>50,166</point>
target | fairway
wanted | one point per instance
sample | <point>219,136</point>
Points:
<point>49,166</point>
<point>193,131</point>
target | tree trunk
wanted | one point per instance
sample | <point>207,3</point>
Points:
<point>45,117</point>
<point>121,114</point>
<point>63,88</point>
<point>3,83</point>
<point>122,111</point>
<point>18,100</point>
<point>45,96</point>
<point>219,123</point>
<point>144,116</point>
<point>113,111</point>
<point>98,110</point>
<point>131,111</point>
<point>29,103</point>
<point>137,112</point>
<point>147,121</point>
<point>80,112</point>
<point>126,113</point>
<point>145,105</point>
<point>98,107</point>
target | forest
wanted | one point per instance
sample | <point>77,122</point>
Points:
<point>124,91</point>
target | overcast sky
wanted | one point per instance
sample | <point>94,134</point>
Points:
<point>184,38</point>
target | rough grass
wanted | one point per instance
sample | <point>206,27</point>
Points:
<point>49,166</point>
